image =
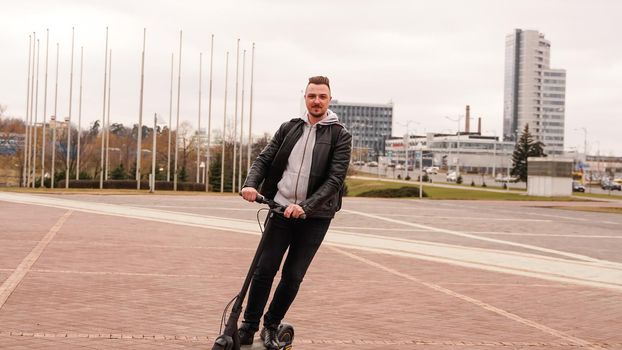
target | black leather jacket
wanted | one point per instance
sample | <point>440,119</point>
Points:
<point>329,166</point>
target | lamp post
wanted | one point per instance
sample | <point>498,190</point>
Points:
<point>407,142</point>
<point>494,154</point>
<point>458,148</point>
<point>420,170</point>
<point>584,129</point>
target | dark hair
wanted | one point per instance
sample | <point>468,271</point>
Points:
<point>319,80</point>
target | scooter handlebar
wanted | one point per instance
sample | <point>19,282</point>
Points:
<point>272,204</point>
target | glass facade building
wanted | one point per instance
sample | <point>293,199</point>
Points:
<point>534,93</point>
<point>369,124</point>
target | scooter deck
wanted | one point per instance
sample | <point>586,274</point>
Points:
<point>258,345</point>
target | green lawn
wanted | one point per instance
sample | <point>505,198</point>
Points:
<point>358,186</point>
<point>599,195</point>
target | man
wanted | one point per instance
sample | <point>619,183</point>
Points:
<point>303,168</point>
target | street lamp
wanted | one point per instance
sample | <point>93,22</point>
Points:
<point>407,142</point>
<point>494,155</point>
<point>458,148</point>
<point>584,129</point>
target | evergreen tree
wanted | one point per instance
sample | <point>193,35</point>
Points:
<point>525,147</point>
<point>182,176</point>
<point>118,173</point>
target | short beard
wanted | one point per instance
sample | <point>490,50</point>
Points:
<point>317,115</point>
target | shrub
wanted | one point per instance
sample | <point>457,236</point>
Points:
<point>131,184</point>
<point>473,183</point>
<point>406,191</point>
<point>484,184</point>
<point>459,179</point>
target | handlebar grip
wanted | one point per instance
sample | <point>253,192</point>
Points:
<point>262,200</point>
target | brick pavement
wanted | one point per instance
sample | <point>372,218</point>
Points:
<point>109,282</point>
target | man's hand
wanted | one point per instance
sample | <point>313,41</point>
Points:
<point>293,210</point>
<point>249,194</point>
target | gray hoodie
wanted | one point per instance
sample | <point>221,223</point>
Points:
<point>292,189</point>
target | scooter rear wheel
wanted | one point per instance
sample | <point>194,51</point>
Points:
<point>286,335</point>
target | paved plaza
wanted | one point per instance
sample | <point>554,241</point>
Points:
<point>145,271</point>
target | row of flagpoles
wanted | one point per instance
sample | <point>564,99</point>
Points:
<point>32,103</point>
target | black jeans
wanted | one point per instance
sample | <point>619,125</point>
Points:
<point>303,238</point>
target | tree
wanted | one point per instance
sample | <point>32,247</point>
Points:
<point>118,173</point>
<point>525,147</point>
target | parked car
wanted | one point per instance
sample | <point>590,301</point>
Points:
<point>431,170</point>
<point>358,163</point>
<point>577,187</point>
<point>372,164</point>
<point>611,186</point>
<point>399,167</point>
<point>390,165</point>
<point>452,177</point>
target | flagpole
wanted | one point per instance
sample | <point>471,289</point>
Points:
<point>235,114</point>
<point>224,128</point>
<point>55,122</point>
<point>170,126</point>
<point>140,113</point>
<point>34,147</point>
<point>177,123</point>
<point>30,118</point>
<point>107,158</point>
<point>45,101</point>
<point>198,134</point>
<point>79,114</point>
<point>103,124</point>
<point>27,116</point>
<point>242,121</point>
<point>209,118</point>
<point>250,115</point>
<point>69,118</point>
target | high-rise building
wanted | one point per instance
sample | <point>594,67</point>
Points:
<point>369,124</point>
<point>534,93</point>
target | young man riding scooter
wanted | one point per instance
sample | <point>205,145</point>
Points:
<point>302,168</point>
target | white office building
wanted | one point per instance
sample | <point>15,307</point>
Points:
<point>534,93</point>
<point>463,152</point>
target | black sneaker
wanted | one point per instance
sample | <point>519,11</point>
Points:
<point>246,336</point>
<point>270,336</point>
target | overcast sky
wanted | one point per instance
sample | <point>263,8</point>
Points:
<point>429,58</point>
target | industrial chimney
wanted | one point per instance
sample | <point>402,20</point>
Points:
<point>468,119</point>
<point>479,125</point>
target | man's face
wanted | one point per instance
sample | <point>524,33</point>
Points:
<point>317,98</point>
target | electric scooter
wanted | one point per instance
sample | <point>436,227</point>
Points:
<point>230,339</point>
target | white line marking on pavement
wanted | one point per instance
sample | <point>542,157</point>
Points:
<point>462,234</point>
<point>20,272</point>
<point>593,273</point>
<point>377,229</point>
<point>190,207</point>
<point>465,218</point>
<point>473,301</point>
<point>542,234</point>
